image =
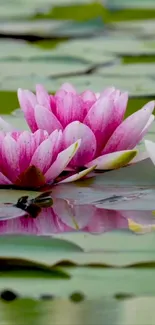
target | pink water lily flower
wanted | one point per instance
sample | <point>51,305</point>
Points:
<point>107,140</point>
<point>33,159</point>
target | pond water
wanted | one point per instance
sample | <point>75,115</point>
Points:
<point>84,252</point>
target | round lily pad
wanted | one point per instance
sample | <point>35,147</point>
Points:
<point>125,45</point>
<point>135,86</point>
<point>129,70</point>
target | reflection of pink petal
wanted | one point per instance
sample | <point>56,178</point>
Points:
<point>9,212</point>
<point>105,220</point>
<point>44,224</point>
<point>18,226</point>
<point>140,217</point>
<point>74,216</point>
<point>66,216</point>
<point>47,223</point>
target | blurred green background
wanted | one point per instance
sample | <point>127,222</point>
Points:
<point>93,44</point>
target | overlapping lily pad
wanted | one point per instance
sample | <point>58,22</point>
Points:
<point>141,28</point>
<point>50,29</point>
<point>136,87</point>
<point>21,9</point>
<point>110,44</point>
<point>130,70</point>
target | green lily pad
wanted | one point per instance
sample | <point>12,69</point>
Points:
<point>139,28</point>
<point>132,4</point>
<point>13,50</point>
<point>18,122</point>
<point>110,44</point>
<point>129,14</point>
<point>48,28</point>
<point>27,74</point>
<point>9,10</point>
<point>37,249</point>
<point>76,10</point>
<point>137,87</point>
<point>129,70</point>
<point>40,69</point>
<point>107,282</point>
<point>42,28</point>
<point>86,54</point>
<point>21,51</point>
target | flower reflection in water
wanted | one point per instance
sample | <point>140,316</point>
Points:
<point>65,216</point>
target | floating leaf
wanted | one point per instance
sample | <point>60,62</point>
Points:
<point>112,44</point>
<point>97,82</point>
<point>129,70</point>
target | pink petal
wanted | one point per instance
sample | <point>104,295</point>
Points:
<point>102,121</point>
<point>113,160</point>
<point>89,98</point>
<point>56,141</point>
<point>52,104</point>
<point>88,95</point>
<point>69,107</point>
<point>2,136</point>
<point>140,217</point>
<point>63,159</point>
<point>115,94</point>
<point>130,129</point>
<point>27,101</point>
<point>4,180</point>
<point>97,95</point>
<point>108,91</point>
<point>69,88</point>
<point>86,152</point>
<point>143,133</point>
<point>26,144</point>
<point>147,126</point>
<point>150,147</point>
<point>78,176</point>
<point>15,134</point>
<point>46,120</point>
<point>120,107</point>
<point>40,136</point>
<point>10,156</point>
<point>106,220</point>
<point>47,151</point>
<point>43,156</point>
<point>43,97</point>
<point>72,215</point>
